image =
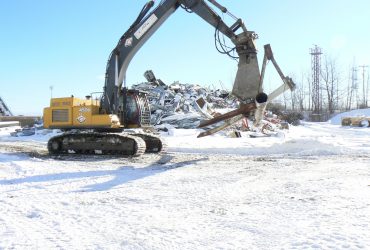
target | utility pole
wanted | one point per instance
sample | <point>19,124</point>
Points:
<point>364,89</point>
<point>367,87</point>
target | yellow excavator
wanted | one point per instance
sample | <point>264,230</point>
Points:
<point>91,130</point>
<point>98,125</point>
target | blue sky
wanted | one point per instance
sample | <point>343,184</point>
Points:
<point>65,44</point>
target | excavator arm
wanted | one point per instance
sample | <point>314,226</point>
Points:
<point>246,85</point>
<point>130,42</point>
<point>248,81</point>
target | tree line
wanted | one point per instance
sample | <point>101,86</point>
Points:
<point>339,90</point>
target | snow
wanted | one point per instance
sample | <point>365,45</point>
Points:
<point>353,113</point>
<point>308,187</point>
<point>8,123</point>
<point>308,139</point>
<point>5,131</point>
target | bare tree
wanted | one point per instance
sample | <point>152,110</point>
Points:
<point>330,77</point>
<point>349,91</point>
<point>309,81</point>
<point>298,96</point>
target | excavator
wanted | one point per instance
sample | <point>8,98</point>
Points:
<point>99,126</point>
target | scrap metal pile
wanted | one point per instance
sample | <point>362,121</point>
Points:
<point>183,105</point>
<point>186,105</point>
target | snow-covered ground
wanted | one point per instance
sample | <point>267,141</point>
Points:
<point>352,113</point>
<point>309,187</point>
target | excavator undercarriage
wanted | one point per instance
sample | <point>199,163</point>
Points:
<point>123,144</point>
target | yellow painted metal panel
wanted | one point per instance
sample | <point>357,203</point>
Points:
<point>75,112</point>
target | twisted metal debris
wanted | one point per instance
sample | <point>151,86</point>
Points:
<point>183,105</point>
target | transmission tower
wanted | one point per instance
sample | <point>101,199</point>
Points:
<point>364,88</point>
<point>316,70</point>
<point>353,88</point>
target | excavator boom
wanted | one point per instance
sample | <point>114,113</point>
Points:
<point>246,85</point>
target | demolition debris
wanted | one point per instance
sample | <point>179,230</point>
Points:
<point>183,105</point>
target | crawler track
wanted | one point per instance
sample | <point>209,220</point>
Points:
<point>154,144</point>
<point>97,143</point>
